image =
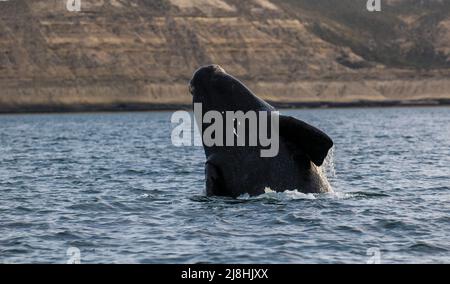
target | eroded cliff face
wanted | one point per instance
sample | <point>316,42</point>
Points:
<point>122,54</point>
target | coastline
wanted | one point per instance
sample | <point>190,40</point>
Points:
<point>40,96</point>
<point>136,56</point>
<point>37,109</point>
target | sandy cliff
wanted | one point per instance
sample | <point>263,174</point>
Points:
<point>136,54</point>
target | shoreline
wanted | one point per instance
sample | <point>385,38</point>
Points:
<point>48,109</point>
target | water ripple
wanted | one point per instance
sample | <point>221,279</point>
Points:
<point>113,186</point>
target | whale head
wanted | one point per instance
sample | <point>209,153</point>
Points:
<point>216,90</point>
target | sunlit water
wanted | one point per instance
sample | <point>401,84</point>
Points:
<point>113,186</point>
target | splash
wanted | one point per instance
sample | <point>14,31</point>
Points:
<point>327,172</point>
<point>270,194</point>
<point>289,195</point>
<point>328,166</point>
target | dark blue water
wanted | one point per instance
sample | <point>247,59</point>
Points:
<point>114,187</point>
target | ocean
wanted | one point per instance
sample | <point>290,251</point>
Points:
<point>111,188</point>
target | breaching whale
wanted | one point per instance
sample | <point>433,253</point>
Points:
<point>236,170</point>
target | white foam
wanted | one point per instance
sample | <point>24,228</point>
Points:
<point>285,195</point>
<point>338,195</point>
<point>288,195</point>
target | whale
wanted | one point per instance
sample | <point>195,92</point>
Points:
<point>234,170</point>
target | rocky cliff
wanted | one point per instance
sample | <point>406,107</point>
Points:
<point>140,54</point>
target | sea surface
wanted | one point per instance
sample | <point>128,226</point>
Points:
<point>111,188</point>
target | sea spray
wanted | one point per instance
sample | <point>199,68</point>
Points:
<point>327,171</point>
<point>328,165</point>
